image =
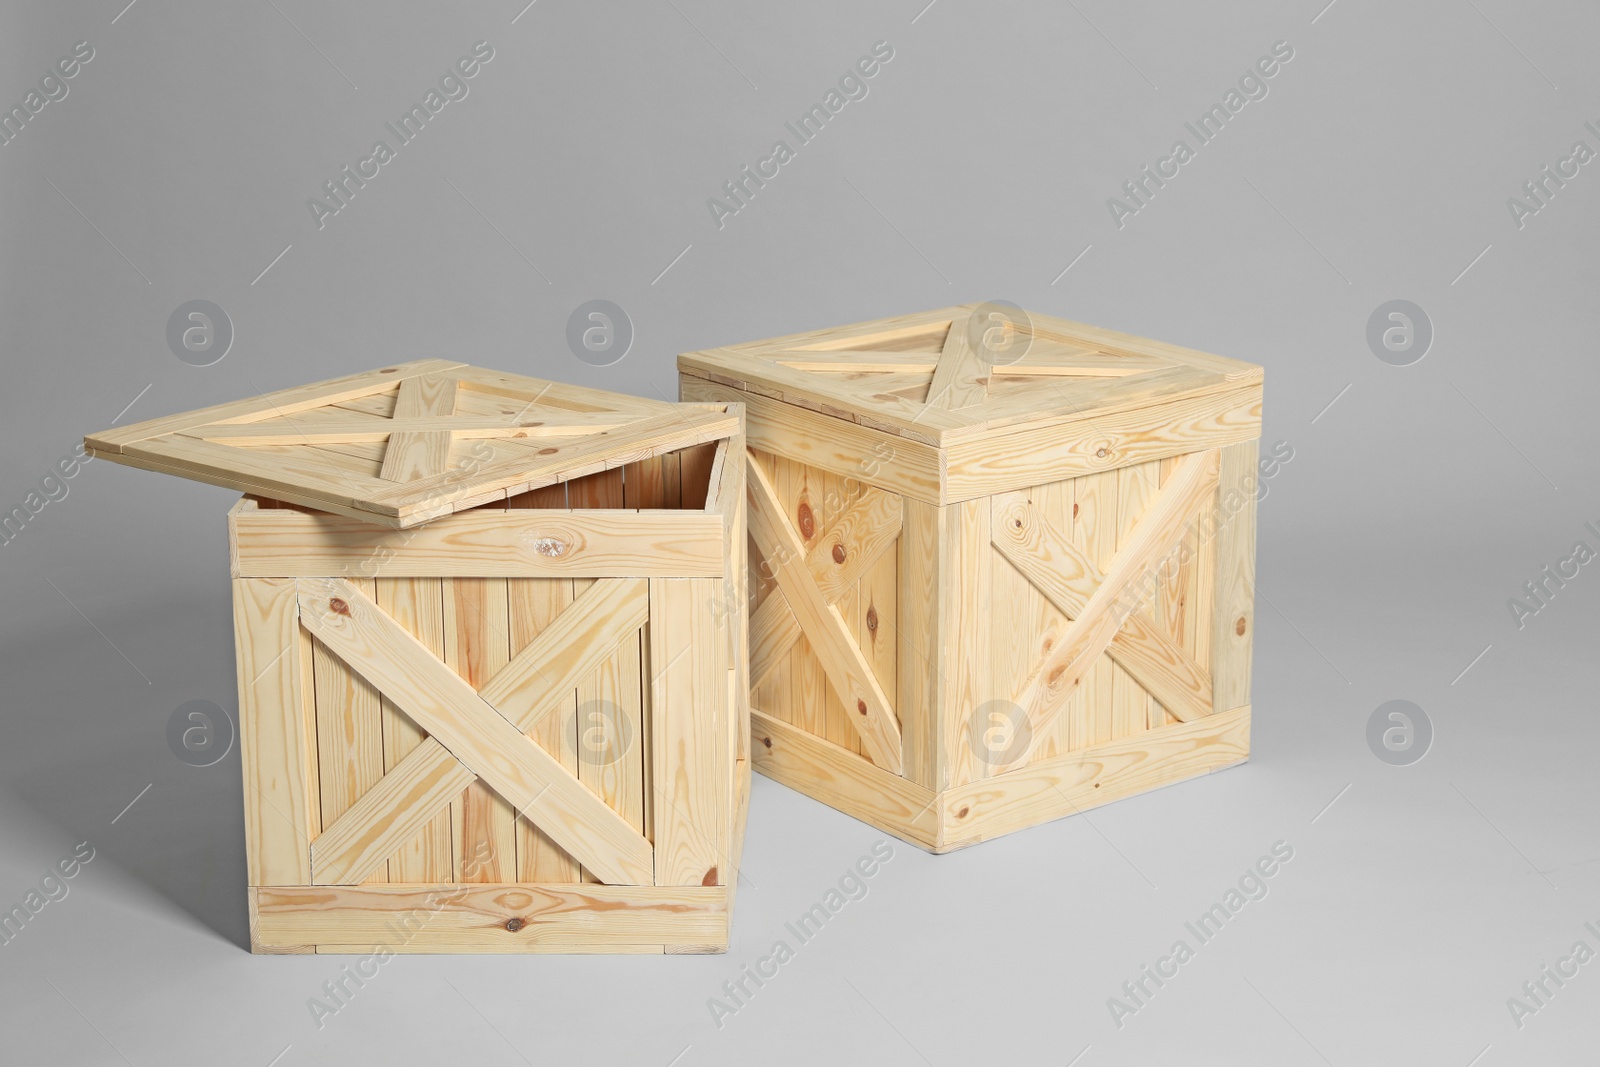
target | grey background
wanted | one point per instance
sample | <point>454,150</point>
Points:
<point>979,165</point>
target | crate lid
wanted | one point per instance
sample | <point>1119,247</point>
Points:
<point>404,444</point>
<point>961,372</point>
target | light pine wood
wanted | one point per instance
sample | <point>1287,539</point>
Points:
<point>371,659</point>
<point>425,452</point>
<point>349,733</point>
<point>336,426</point>
<point>1099,612</point>
<point>515,915</point>
<point>1069,578</point>
<point>1094,628</point>
<point>280,403</point>
<point>1078,781</point>
<point>417,604</point>
<point>841,779</point>
<point>847,671</point>
<point>1234,629</point>
<point>893,464</point>
<point>530,690</point>
<point>345,447</point>
<point>277,732</point>
<point>489,543</point>
<point>692,771</point>
<point>474,732</point>
<point>477,646</point>
<point>997,463</point>
<point>961,377</point>
<point>856,374</point>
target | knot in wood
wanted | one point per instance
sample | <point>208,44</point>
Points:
<point>339,607</point>
<point>807,521</point>
<point>861,706</point>
<point>839,553</point>
<point>1239,627</point>
<point>514,924</point>
<point>872,618</point>
<point>549,547</point>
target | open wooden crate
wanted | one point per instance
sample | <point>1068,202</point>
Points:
<point>1002,564</point>
<point>491,694</point>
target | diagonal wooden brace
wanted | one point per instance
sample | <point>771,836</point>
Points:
<point>847,669</point>
<point>475,734</point>
<point>845,551</point>
<point>1096,625</point>
<point>1068,578</point>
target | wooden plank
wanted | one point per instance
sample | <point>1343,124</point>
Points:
<point>888,462</point>
<point>1234,613</point>
<point>964,655</point>
<point>417,604</point>
<point>534,543</point>
<point>923,577</point>
<point>1056,328</point>
<point>1069,578</point>
<point>473,731</point>
<point>1094,530</point>
<point>1056,449</point>
<point>1130,703</point>
<point>692,783</point>
<point>1094,628</point>
<point>518,466</point>
<point>773,632</point>
<point>847,670</point>
<point>540,680</point>
<point>1078,781</point>
<point>422,453</point>
<point>282,402</point>
<point>349,734</point>
<point>1042,359</point>
<point>277,733</point>
<point>334,425</point>
<point>962,377</point>
<point>477,646</point>
<point>472,917</point>
<point>535,604</point>
<point>843,780</point>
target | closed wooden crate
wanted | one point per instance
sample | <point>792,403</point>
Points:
<point>483,706</point>
<point>1002,565</point>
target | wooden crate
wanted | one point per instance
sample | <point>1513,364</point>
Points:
<point>492,697</point>
<point>1002,564</point>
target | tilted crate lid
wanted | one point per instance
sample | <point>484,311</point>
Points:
<point>408,443</point>
<point>961,372</point>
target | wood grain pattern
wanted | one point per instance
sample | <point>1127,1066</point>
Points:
<point>439,701</point>
<point>472,918</point>
<point>847,671</point>
<point>277,733</point>
<point>689,735</point>
<point>1234,626</point>
<point>1097,624</point>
